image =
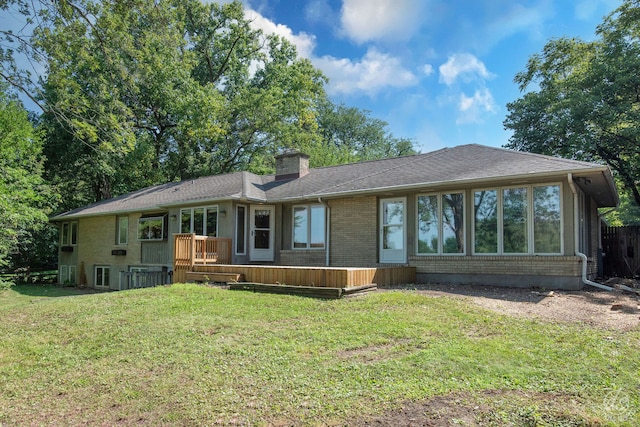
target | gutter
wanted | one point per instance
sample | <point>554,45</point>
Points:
<point>576,231</point>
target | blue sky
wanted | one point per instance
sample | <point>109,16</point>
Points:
<point>439,72</point>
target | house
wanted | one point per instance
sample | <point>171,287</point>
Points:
<point>468,214</point>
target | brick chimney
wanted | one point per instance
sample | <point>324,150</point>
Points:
<point>291,164</point>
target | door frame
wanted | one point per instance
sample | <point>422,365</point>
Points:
<point>393,256</point>
<point>262,254</point>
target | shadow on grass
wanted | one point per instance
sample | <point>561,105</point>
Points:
<point>52,290</point>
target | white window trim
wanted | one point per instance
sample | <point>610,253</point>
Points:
<point>293,221</point>
<point>530,221</point>
<point>206,210</point>
<point>147,219</point>
<point>69,234</point>
<point>118,235</point>
<point>95,275</point>
<point>65,272</point>
<point>440,224</point>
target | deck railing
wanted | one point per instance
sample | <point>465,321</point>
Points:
<point>190,250</point>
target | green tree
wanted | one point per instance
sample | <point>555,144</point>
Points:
<point>24,197</point>
<point>349,134</point>
<point>142,92</point>
<point>169,90</point>
<point>586,102</point>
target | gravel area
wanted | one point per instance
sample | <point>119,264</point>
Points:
<point>619,310</point>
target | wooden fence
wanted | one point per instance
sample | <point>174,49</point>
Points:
<point>621,251</point>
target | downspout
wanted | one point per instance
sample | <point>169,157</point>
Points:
<point>327,231</point>
<point>576,234</point>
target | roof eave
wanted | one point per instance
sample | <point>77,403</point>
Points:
<point>439,184</point>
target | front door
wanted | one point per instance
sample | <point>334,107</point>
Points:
<point>262,233</point>
<point>393,248</point>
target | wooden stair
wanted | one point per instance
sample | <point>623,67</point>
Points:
<point>306,291</point>
<point>209,277</point>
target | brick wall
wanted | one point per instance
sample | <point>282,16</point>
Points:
<point>511,265</point>
<point>96,240</point>
<point>315,258</point>
<point>354,232</point>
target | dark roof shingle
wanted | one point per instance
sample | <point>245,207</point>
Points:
<point>461,164</point>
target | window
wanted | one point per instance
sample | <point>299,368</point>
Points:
<point>241,229</point>
<point>546,220</point>
<point>122,230</point>
<point>519,220</point>
<point>308,227</point>
<point>69,233</point>
<point>102,276</point>
<point>67,274</point>
<point>515,221</point>
<point>486,222</point>
<point>201,221</point>
<point>441,224</point>
<point>151,228</point>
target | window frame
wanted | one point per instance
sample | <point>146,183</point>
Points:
<point>309,245</point>
<point>69,237</point>
<point>104,268</point>
<point>530,188</point>
<point>441,244</point>
<point>66,273</point>
<point>192,219</point>
<point>119,240</point>
<point>162,228</point>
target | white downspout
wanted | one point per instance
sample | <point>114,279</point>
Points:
<point>327,231</point>
<point>576,231</point>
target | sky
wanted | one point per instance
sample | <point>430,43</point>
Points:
<point>439,72</point>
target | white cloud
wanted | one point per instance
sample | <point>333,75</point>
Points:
<point>427,69</point>
<point>319,11</point>
<point>472,109</point>
<point>374,72</point>
<point>464,66</point>
<point>365,20</point>
<point>369,74</point>
<point>304,43</point>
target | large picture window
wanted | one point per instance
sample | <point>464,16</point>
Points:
<point>441,224</point>
<point>151,228</point>
<point>518,220</point>
<point>202,221</point>
<point>546,220</point>
<point>308,227</point>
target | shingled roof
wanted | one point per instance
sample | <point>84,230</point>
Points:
<point>461,165</point>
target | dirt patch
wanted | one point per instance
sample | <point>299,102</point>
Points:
<point>619,310</point>
<point>488,408</point>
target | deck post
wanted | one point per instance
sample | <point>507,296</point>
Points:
<point>192,255</point>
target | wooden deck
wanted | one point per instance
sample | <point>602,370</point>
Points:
<point>209,257</point>
<point>329,277</point>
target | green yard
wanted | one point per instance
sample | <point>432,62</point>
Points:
<point>196,355</point>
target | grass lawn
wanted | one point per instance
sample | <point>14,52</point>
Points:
<point>197,355</point>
